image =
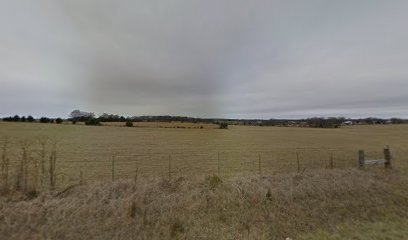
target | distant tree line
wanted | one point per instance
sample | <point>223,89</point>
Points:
<point>166,118</point>
<point>90,118</point>
<point>331,122</point>
<point>17,118</point>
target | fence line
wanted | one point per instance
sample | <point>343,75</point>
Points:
<point>135,165</point>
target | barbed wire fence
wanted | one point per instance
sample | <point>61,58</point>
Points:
<point>26,166</point>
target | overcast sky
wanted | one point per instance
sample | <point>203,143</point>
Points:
<point>208,58</point>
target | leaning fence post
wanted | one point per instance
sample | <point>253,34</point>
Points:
<point>361,158</point>
<point>387,158</point>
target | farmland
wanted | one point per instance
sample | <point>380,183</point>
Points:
<point>193,183</point>
<point>88,152</point>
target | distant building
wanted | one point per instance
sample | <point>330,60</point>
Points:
<point>347,123</point>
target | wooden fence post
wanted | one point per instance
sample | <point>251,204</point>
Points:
<point>387,158</point>
<point>331,161</point>
<point>361,158</point>
<point>113,168</point>
<point>53,161</point>
<point>81,181</point>
<point>298,162</point>
<point>218,162</point>
<point>136,173</point>
<point>169,167</point>
<point>259,164</point>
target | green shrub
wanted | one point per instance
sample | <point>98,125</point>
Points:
<point>45,120</point>
<point>214,181</point>
<point>30,119</point>
<point>93,122</point>
<point>129,124</point>
<point>223,125</point>
<point>58,121</point>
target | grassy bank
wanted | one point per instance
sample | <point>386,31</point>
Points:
<point>337,204</point>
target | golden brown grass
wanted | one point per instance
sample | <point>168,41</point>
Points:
<point>89,150</point>
<point>217,189</point>
<point>321,204</point>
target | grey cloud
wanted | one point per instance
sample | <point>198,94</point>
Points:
<point>205,58</point>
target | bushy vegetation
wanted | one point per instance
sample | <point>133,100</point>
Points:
<point>78,115</point>
<point>223,125</point>
<point>129,124</point>
<point>58,121</point>
<point>15,118</point>
<point>93,122</point>
<point>46,120</point>
<point>112,118</point>
<point>30,119</point>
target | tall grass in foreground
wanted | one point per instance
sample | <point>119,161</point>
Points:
<point>5,164</point>
<point>22,173</point>
<point>29,169</point>
<point>320,204</point>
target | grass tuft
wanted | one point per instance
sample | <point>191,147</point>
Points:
<point>214,181</point>
<point>176,228</point>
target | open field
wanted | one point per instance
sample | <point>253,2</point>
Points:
<point>240,183</point>
<point>86,152</point>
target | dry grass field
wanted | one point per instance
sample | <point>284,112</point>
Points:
<point>319,204</point>
<point>88,151</point>
<point>240,183</point>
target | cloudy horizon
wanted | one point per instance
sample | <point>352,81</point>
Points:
<point>227,59</point>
